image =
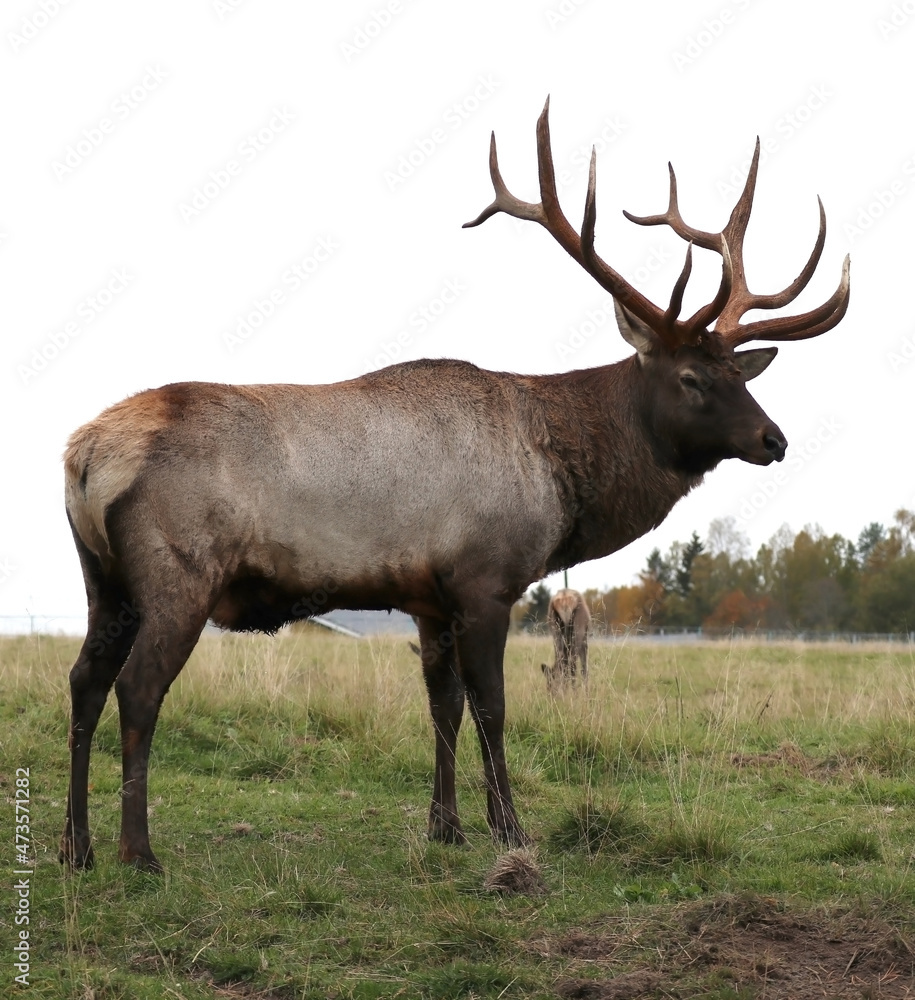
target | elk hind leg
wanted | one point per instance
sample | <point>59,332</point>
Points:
<point>113,624</point>
<point>163,644</point>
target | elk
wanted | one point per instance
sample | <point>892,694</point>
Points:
<point>431,486</point>
<point>568,618</point>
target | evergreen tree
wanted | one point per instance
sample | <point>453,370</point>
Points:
<point>537,606</point>
<point>684,574</point>
<point>868,540</point>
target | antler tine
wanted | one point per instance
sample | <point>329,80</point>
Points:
<point>803,326</point>
<point>549,214</point>
<point>734,299</point>
<point>672,218</point>
<point>504,200</point>
<point>554,220</point>
<point>546,211</point>
<point>702,317</point>
<point>676,296</point>
<point>672,330</point>
<point>742,299</point>
<point>728,322</point>
<point>621,290</point>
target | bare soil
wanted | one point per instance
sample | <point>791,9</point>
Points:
<point>740,948</point>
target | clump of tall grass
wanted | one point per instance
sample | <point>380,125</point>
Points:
<point>599,827</point>
<point>848,846</point>
<point>706,838</point>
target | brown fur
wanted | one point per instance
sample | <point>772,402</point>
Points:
<point>568,618</point>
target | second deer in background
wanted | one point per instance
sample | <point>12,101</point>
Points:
<point>569,620</point>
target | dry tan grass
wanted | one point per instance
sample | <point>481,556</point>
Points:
<point>632,683</point>
<point>516,873</point>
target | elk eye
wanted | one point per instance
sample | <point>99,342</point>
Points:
<point>690,381</point>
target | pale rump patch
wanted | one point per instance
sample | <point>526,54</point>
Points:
<point>564,604</point>
<point>104,457</point>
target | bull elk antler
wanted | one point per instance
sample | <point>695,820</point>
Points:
<point>733,298</point>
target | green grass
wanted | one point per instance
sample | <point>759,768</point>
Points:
<point>290,782</point>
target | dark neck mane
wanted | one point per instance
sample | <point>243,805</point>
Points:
<point>614,479</point>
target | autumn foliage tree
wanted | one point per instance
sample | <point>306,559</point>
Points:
<point>809,581</point>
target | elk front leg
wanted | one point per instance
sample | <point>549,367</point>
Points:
<point>446,705</point>
<point>481,649</point>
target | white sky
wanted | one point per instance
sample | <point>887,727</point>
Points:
<point>96,184</point>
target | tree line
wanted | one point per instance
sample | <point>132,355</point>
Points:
<point>809,581</point>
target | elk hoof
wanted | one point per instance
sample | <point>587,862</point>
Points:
<point>446,831</point>
<point>513,837</point>
<point>509,832</point>
<point>76,859</point>
<point>145,863</point>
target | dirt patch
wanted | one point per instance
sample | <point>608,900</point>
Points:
<point>790,757</point>
<point>626,986</point>
<point>747,944</point>
<point>235,990</point>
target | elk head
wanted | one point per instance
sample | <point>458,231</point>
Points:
<point>692,392</point>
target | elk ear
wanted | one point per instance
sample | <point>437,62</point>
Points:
<point>636,333</point>
<point>752,363</point>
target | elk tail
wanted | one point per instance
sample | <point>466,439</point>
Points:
<point>102,461</point>
<point>566,610</point>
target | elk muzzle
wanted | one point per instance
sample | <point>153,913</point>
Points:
<point>770,446</point>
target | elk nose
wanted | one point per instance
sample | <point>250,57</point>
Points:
<point>775,444</point>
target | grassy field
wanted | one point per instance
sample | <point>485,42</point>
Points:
<point>719,821</point>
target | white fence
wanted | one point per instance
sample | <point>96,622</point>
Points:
<point>75,625</point>
<point>351,623</point>
<point>43,625</point>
